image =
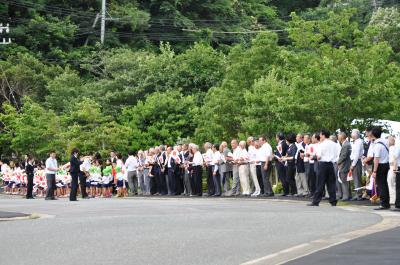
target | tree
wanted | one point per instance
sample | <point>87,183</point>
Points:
<point>87,128</point>
<point>221,115</point>
<point>161,118</point>
<point>34,130</point>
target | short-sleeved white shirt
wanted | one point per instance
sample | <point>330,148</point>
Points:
<point>381,151</point>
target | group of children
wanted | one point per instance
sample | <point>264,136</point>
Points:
<point>99,180</point>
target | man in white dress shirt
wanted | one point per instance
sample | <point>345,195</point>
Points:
<point>266,156</point>
<point>326,155</point>
<point>381,167</point>
<point>208,156</point>
<point>253,165</point>
<point>51,170</point>
<point>197,165</point>
<point>131,165</point>
<point>357,150</point>
<point>243,162</point>
<point>235,191</point>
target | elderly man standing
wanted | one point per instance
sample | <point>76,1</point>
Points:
<point>357,150</point>
<point>132,165</point>
<point>225,167</point>
<point>233,158</point>
<point>253,165</point>
<point>208,157</point>
<point>265,156</point>
<point>344,163</point>
<point>243,162</point>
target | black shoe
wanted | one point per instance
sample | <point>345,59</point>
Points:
<point>73,200</point>
<point>312,204</point>
<point>86,197</point>
<point>395,209</point>
<point>333,203</point>
<point>30,198</point>
<point>47,199</point>
<point>53,199</point>
<point>380,208</point>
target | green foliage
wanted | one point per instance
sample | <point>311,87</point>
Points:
<point>34,130</point>
<point>153,82</point>
<point>161,118</point>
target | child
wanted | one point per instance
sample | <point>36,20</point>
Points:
<point>106,180</point>
<point>120,178</point>
<point>95,178</point>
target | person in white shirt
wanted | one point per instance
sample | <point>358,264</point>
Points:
<point>326,155</point>
<point>339,191</point>
<point>232,158</point>
<point>51,170</point>
<point>310,153</point>
<point>381,167</point>
<point>216,161</point>
<point>197,171</point>
<point>357,150</point>
<point>253,165</point>
<point>391,175</point>
<point>264,157</point>
<point>208,155</point>
<point>131,165</point>
<point>243,162</point>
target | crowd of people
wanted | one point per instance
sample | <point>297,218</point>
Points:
<point>315,166</point>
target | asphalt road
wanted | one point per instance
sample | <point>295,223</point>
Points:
<point>165,231</point>
<point>381,248</point>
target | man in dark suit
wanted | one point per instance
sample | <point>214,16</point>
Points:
<point>344,164</point>
<point>29,170</point>
<point>281,150</point>
<point>75,171</point>
<point>170,165</point>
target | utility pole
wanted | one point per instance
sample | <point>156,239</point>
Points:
<point>103,21</point>
<point>7,30</point>
<point>93,26</point>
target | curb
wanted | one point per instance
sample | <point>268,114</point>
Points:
<point>389,221</point>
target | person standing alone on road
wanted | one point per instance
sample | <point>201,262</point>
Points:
<point>74,171</point>
<point>29,170</point>
<point>51,169</point>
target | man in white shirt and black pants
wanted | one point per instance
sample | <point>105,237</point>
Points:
<point>51,169</point>
<point>131,165</point>
<point>326,156</point>
<point>381,167</point>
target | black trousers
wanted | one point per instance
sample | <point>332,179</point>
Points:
<point>290,179</point>
<point>153,185</point>
<point>210,181</point>
<point>311,177</point>
<point>217,183</point>
<point>179,180</point>
<point>382,186</point>
<point>171,181</point>
<point>51,185</point>
<point>74,186</point>
<point>197,180</point>
<point>281,170</point>
<point>160,181</point>
<point>29,186</point>
<point>326,175</point>
<point>259,178</point>
<point>397,203</point>
<point>82,183</point>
